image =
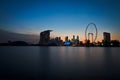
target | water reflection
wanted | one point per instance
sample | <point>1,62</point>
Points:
<point>59,63</point>
<point>44,67</point>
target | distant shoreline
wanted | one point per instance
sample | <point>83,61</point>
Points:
<point>57,46</point>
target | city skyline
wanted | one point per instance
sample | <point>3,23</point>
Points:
<point>46,40</point>
<point>64,17</point>
<point>34,39</point>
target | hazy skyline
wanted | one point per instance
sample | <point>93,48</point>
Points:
<point>64,17</point>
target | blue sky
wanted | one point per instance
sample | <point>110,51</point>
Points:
<point>65,17</point>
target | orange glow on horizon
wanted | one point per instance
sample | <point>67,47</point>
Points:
<point>81,38</point>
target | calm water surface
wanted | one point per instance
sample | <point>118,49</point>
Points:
<point>59,63</point>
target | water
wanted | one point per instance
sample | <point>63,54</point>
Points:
<point>59,63</point>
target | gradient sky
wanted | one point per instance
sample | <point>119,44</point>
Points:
<point>64,17</point>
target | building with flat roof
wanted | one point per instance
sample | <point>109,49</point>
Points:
<point>106,36</point>
<point>106,39</point>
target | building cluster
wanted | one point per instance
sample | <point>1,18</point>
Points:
<point>107,40</point>
<point>45,40</point>
<point>73,42</point>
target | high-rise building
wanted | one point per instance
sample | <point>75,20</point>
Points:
<point>77,37</point>
<point>44,37</point>
<point>77,40</point>
<point>106,36</point>
<point>106,39</point>
<point>73,37</point>
<point>66,39</point>
<point>59,38</point>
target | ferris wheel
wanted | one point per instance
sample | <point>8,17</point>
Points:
<point>94,34</point>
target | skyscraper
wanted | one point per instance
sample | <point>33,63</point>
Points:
<point>73,37</point>
<point>106,39</point>
<point>44,37</point>
<point>66,38</point>
<point>78,38</point>
<point>106,36</point>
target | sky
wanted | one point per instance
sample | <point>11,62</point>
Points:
<point>64,17</point>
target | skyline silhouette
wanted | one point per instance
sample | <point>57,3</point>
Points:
<point>65,17</point>
<point>46,40</point>
<point>34,39</point>
<point>59,39</point>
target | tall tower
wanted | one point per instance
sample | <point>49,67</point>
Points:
<point>106,36</point>
<point>44,37</point>
<point>106,39</point>
<point>77,37</point>
<point>73,37</point>
<point>66,38</point>
<point>77,40</point>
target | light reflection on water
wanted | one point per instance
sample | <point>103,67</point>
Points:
<point>59,63</point>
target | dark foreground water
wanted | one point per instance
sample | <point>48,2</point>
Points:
<point>59,63</point>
